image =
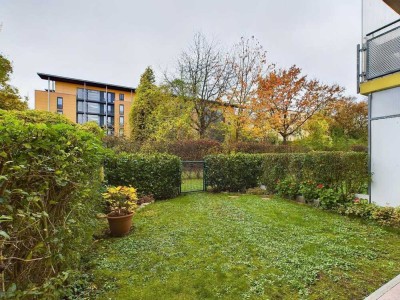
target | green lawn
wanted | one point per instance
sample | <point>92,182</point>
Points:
<point>215,246</point>
<point>190,185</point>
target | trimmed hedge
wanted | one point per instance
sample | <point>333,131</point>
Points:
<point>343,171</point>
<point>346,172</point>
<point>157,174</point>
<point>49,192</point>
<point>233,173</point>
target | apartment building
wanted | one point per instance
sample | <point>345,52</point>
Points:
<point>82,101</point>
<point>379,80</point>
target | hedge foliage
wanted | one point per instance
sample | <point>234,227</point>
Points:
<point>49,191</point>
<point>346,172</point>
<point>234,173</point>
<point>156,174</point>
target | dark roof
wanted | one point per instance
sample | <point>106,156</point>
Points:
<point>88,82</point>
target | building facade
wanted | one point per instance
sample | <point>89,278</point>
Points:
<point>82,101</point>
<point>379,79</point>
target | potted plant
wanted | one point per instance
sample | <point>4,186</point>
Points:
<point>122,204</point>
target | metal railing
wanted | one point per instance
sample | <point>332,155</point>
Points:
<point>380,54</point>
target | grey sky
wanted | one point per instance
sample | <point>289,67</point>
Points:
<point>113,41</point>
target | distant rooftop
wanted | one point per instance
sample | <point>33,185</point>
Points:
<point>87,82</point>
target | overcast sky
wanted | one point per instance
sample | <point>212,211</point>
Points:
<point>113,41</point>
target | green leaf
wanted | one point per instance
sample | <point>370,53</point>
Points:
<point>4,234</point>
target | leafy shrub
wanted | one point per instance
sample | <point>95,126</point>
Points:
<point>156,174</point>
<point>345,172</point>
<point>329,198</point>
<point>49,191</point>
<point>309,190</point>
<point>120,144</point>
<point>236,172</point>
<point>387,216</point>
<point>189,149</point>
<point>256,147</point>
<point>287,188</point>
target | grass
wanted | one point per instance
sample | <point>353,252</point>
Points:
<point>216,246</point>
<point>191,185</point>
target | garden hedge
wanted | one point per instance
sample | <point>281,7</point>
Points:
<point>49,191</point>
<point>157,174</point>
<point>234,173</point>
<point>345,171</point>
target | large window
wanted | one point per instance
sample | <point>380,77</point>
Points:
<point>110,109</point>
<point>81,94</point>
<point>121,121</point>
<point>110,121</point>
<point>93,95</point>
<point>59,103</point>
<point>93,108</point>
<point>121,109</point>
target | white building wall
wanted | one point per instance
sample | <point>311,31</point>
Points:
<point>385,147</point>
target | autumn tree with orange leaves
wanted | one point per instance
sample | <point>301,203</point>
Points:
<point>287,99</point>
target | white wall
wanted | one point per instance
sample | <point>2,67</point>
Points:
<point>385,148</point>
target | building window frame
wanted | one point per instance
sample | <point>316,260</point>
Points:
<point>121,97</point>
<point>60,103</point>
<point>121,121</point>
<point>121,109</point>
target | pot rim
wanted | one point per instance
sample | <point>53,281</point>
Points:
<point>119,217</point>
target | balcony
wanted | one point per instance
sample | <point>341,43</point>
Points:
<point>380,54</point>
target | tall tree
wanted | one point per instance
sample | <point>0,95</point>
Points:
<point>247,63</point>
<point>9,95</point>
<point>147,97</point>
<point>350,118</point>
<point>287,99</point>
<point>202,76</point>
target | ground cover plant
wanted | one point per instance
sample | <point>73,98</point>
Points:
<point>224,246</point>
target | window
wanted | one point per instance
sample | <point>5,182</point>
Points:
<point>93,95</point>
<point>121,121</point>
<point>94,118</point>
<point>80,118</point>
<point>80,106</point>
<point>111,97</point>
<point>59,111</point>
<point>110,121</point>
<point>121,109</point>
<point>81,94</point>
<point>121,132</point>
<point>59,103</point>
<point>110,109</point>
<point>121,97</point>
<point>94,108</point>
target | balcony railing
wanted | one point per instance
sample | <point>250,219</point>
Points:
<point>380,54</point>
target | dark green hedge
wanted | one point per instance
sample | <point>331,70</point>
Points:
<point>157,174</point>
<point>49,192</point>
<point>345,171</point>
<point>234,173</point>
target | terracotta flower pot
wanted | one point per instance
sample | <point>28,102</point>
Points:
<point>120,225</point>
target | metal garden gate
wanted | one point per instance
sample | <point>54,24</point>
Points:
<point>193,176</point>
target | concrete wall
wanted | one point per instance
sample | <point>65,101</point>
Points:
<point>385,147</point>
